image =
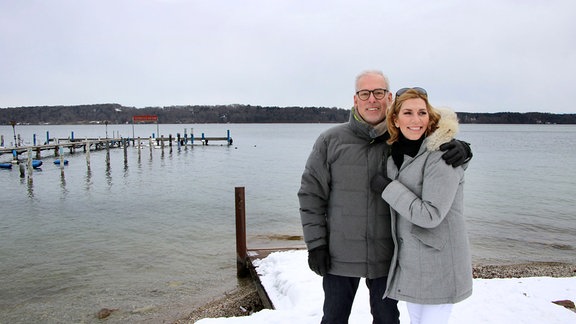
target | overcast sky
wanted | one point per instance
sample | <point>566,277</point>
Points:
<point>473,56</point>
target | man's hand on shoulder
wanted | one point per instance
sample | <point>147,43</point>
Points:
<point>457,152</point>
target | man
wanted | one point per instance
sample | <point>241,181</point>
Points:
<point>347,226</point>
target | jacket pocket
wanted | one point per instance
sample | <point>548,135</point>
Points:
<point>435,238</point>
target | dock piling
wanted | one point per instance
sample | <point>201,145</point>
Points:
<point>241,250</point>
<point>61,158</point>
<point>107,154</point>
<point>125,147</point>
<point>29,165</point>
<point>87,149</point>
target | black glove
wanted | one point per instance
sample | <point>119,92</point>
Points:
<point>379,183</point>
<point>457,152</point>
<point>319,260</point>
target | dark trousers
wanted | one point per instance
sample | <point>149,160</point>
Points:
<point>339,295</point>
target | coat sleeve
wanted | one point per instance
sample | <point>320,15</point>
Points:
<point>314,194</point>
<point>440,184</point>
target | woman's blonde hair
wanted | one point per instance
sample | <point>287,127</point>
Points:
<point>395,109</point>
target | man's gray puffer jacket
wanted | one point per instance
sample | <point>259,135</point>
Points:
<point>337,207</point>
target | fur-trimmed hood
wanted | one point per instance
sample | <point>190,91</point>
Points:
<point>446,131</point>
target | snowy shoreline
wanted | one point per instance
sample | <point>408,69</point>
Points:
<point>244,300</point>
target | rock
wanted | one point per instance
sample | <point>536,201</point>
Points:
<point>105,312</point>
<point>241,302</point>
<point>566,303</point>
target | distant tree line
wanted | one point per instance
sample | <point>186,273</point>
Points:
<point>516,118</point>
<point>118,114</point>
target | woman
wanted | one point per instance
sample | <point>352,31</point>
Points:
<point>431,268</point>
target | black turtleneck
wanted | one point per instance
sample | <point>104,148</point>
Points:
<point>403,147</point>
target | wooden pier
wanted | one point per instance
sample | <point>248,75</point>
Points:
<point>71,144</point>
<point>58,145</point>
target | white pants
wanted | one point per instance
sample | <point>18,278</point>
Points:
<point>429,314</point>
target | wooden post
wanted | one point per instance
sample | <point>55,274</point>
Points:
<point>241,253</point>
<point>72,147</point>
<point>125,147</point>
<point>139,146</point>
<point>13,123</point>
<point>87,149</point>
<point>61,149</point>
<point>107,153</point>
<point>29,162</point>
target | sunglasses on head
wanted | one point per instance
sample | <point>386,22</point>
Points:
<point>421,91</point>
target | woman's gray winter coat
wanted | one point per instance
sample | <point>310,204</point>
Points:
<point>431,263</point>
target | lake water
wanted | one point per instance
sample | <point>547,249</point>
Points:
<point>154,236</point>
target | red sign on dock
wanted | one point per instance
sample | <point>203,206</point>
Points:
<point>145,118</point>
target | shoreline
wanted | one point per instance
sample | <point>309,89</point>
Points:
<point>244,300</point>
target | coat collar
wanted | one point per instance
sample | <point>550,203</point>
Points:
<point>365,130</point>
<point>446,131</point>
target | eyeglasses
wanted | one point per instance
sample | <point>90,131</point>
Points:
<point>378,94</point>
<point>417,89</point>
